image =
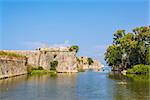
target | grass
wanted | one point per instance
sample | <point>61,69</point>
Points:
<point>11,54</point>
<point>39,70</point>
<point>52,73</point>
<point>42,71</point>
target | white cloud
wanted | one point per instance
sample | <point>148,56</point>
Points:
<point>66,43</point>
<point>37,44</point>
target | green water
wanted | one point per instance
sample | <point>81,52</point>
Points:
<point>78,86</point>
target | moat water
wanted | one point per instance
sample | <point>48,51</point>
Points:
<point>78,86</point>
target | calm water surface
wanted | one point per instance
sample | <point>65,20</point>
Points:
<point>79,86</point>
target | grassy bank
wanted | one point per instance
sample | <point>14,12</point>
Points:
<point>40,70</point>
<point>139,69</point>
<point>141,77</point>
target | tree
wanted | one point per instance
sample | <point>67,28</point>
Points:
<point>129,49</point>
<point>119,34</point>
<point>113,56</point>
<point>148,56</point>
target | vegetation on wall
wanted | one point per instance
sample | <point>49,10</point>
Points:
<point>32,70</point>
<point>129,49</point>
<point>74,48</point>
<point>55,55</point>
<point>78,60</point>
<point>11,54</point>
<point>53,65</point>
<point>90,61</point>
<point>39,70</point>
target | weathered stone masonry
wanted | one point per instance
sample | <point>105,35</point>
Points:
<point>67,61</point>
<point>12,66</point>
<point>43,56</point>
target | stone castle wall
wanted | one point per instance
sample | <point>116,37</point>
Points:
<point>43,56</point>
<point>83,64</point>
<point>12,66</point>
<point>67,61</point>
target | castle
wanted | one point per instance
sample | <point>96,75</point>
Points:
<point>67,61</point>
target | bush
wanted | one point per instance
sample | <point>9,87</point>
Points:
<point>140,78</point>
<point>139,69</point>
<point>40,68</point>
<point>31,69</point>
<point>74,48</point>
<point>36,72</point>
<point>53,65</point>
<point>90,61</point>
<point>78,60</point>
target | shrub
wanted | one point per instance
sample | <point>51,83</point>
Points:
<point>31,69</point>
<point>90,61</point>
<point>140,78</point>
<point>53,65</point>
<point>38,72</point>
<point>139,69</point>
<point>74,48</point>
<point>78,60</point>
<point>40,68</point>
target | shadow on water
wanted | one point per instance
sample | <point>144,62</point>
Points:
<point>130,87</point>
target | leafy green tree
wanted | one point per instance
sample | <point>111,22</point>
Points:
<point>129,49</point>
<point>113,56</point>
<point>119,34</point>
<point>148,56</point>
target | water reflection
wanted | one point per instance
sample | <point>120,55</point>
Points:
<point>39,87</point>
<point>136,87</point>
<point>9,83</point>
<point>77,86</point>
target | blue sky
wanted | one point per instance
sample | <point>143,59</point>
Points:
<point>27,24</point>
